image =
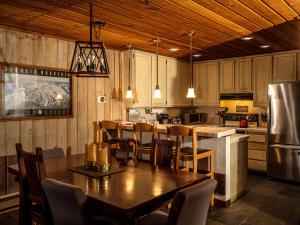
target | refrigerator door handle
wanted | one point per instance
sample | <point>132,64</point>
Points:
<point>294,147</point>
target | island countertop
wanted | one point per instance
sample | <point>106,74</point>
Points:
<point>203,131</point>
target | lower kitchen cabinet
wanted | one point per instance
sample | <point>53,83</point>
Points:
<point>257,152</point>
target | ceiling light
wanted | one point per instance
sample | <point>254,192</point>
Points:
<point>157,90</point>
<point>247,38</point>
<point>197,55</point>
<point>265,46</point>
<point>191,90</point>
<point>89,57</point>
<point>129,94</point>
<point>174,49</point>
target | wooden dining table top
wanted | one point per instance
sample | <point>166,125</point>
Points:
<point>132,193</point>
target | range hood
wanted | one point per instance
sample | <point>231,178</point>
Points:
<point>236,96</point>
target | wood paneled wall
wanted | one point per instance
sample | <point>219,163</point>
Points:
<point>69,133</point>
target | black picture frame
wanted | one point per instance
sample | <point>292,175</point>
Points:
<point>29,92</point>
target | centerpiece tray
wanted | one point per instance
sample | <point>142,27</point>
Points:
<point>94,173</point>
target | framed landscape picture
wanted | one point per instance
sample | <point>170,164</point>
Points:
<point>29,92</point>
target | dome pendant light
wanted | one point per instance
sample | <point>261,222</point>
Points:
<point>129,94</point>
<point>157,94</point>
<point>191,90</point>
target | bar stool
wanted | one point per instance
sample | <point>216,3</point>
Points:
<point>190,153</point>
<point>145,148</point>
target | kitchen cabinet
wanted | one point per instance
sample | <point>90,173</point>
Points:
<point>257,152</point>
<point>284,67</point>
<point>184,83</point>
<point>162,80</point>
<point>242,76</point>
<point>177,83</point>
<point>206,83</point>
<point>262,72</point>
<point>227,76</point>
<point>141,74</point>
<point>200,83</point>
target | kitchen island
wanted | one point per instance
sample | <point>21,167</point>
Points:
<point>231,155</point>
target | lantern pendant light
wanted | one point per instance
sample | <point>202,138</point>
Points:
<point>191,90</point>
<point>157,94</point>
<point>89,58</point>
<point>129,94</point>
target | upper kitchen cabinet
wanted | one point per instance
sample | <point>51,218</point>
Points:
<point>162,80</point>
<point>177,82</point>
<point>227,76</point>
<point>262,72</point>
<point>206,83</point>
<point>184,83</point>
<point>284,67</point>
<point>173,82</point>
<point>141,74</point>
<point>242,77</point>
<point>200,83</point>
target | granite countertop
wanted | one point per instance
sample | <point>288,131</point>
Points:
<point>203,131</point>
<point>234,138</point>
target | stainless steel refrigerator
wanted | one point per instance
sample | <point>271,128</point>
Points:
<point>283,152</point>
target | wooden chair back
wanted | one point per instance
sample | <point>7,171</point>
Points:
<point>145,148</point>
<point>180,132</point>
<point>112,127</point>
<point>35,172</point>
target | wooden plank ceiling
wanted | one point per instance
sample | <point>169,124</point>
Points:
<point>218,24</point>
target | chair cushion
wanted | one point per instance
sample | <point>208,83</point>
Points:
<point>189,150</point>
<point>154,218</point>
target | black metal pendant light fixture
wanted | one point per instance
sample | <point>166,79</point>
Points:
<point>89,58</point>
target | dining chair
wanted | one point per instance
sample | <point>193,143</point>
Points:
<point>32,172</point>
<point>69,206</point>
<point>109,132</point>
<point>187,153</point>
<point>149,148</point>
<point>189,207</point>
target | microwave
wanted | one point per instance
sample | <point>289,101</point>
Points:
<point>194,118</point>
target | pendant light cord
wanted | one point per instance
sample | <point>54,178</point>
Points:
<point>129,65</point>
<point>191,57</point>
<point>157,42</point>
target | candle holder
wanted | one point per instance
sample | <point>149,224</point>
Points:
<point>103,157</point>
<point>90,156</point>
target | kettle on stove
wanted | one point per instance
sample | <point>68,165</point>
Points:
<point>243,122</point>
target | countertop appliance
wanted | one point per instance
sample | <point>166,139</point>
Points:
<point>194,118</point>
<point>163,118</point>
<point>241,120</point>
<point>283,152</point>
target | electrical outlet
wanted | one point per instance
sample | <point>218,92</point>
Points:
<point>101,99</point>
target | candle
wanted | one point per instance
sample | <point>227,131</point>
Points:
<point>102,155</point>
<point>91,152</point>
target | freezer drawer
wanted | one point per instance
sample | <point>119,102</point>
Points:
<point>284,162</point>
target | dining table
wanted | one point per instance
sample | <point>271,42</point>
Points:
<point>136,191</point>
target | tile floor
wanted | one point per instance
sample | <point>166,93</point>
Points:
<point>265,203</point>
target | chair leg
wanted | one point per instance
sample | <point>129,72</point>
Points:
<point>195,165</point>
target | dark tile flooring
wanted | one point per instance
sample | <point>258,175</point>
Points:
<point>265,203</point>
